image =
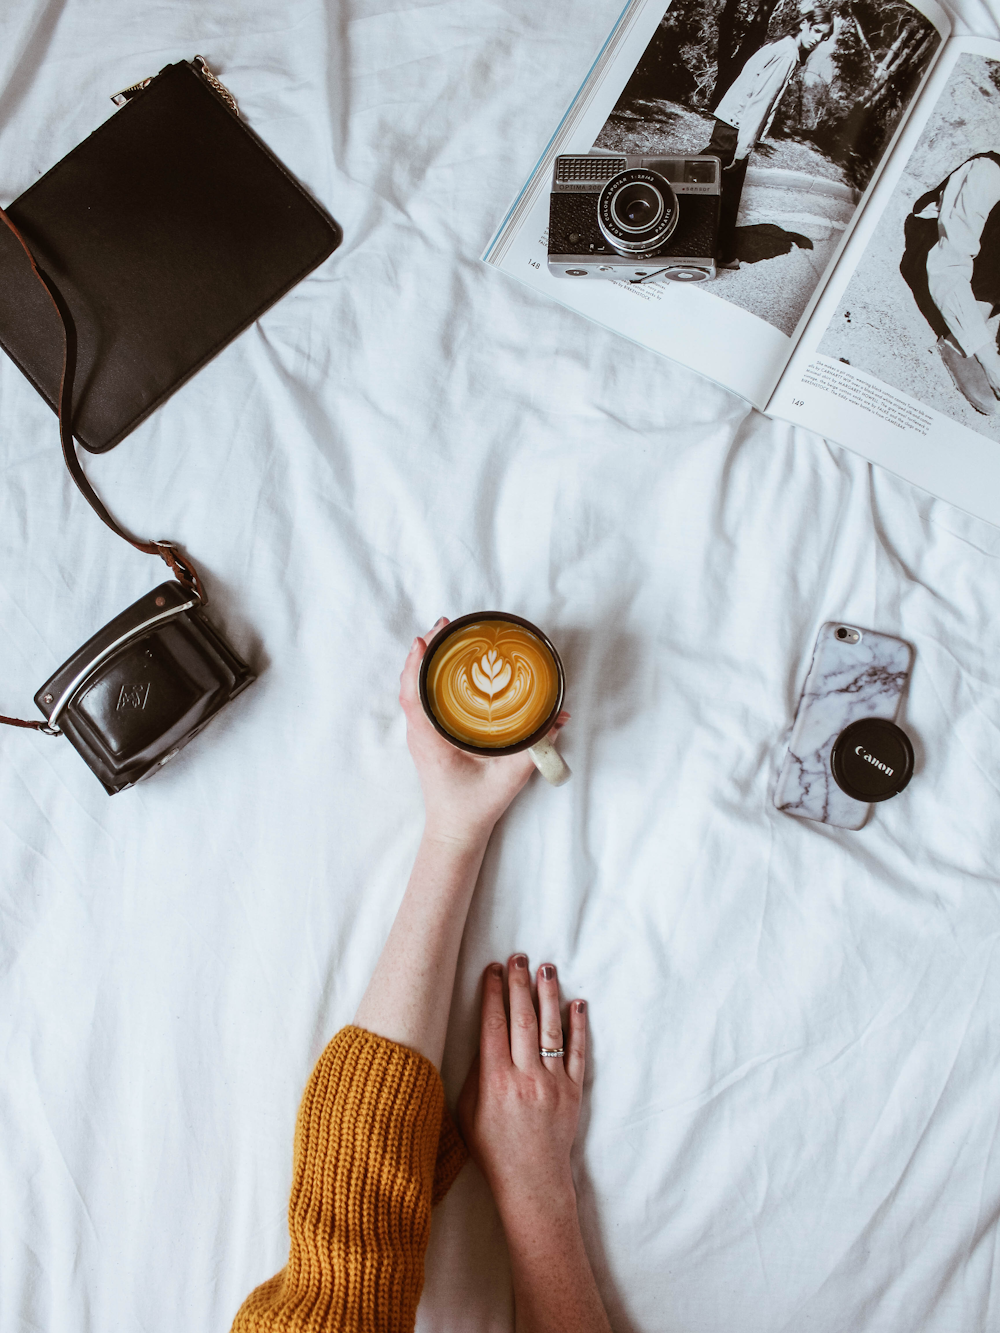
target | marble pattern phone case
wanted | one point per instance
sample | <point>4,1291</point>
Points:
<point>846,681</point>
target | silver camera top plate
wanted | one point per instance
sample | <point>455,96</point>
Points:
<point>588,173</point>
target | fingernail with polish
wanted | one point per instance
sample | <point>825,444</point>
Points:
<point>581,1006</point>
<point>548,971</point>
<point>496,969</point>
<point>520,961</point>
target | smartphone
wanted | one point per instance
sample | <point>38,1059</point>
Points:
<point>855,674</point>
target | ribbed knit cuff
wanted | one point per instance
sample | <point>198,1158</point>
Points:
<point>452,1155</point>
<point>374,1147</point>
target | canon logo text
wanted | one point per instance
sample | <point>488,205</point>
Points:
<point>860,749</point>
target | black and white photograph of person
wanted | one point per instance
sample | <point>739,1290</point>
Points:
<point>746,110</point>
<point>922,310</point>
<point>797,99</point>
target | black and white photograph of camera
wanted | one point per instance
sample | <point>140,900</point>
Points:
<point>795,99</point>
<point>637,218</point>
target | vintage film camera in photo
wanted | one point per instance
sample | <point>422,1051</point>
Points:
<point>635,218</point>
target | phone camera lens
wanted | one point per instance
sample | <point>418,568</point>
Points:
<point>842,633</point>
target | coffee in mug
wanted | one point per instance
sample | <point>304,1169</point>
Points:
<point>492,683</point>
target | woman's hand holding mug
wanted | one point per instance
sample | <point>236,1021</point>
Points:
<point>492,683</point>
<point>464,794</point>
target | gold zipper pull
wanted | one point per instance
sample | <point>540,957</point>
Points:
<point>128,93</point>
<point>202,66</point>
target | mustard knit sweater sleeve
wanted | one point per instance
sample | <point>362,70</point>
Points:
<point>375,1147</point>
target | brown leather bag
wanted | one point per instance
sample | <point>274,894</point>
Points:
<point>165,234</point>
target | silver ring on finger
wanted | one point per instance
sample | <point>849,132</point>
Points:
<point>551,1055</point>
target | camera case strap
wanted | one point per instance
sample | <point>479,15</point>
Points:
<point>145,684</point>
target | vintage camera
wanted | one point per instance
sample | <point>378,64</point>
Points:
<point>634,217</point>
<point>143,686</point>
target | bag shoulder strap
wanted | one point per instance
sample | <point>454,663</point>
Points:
<point>180,566</point>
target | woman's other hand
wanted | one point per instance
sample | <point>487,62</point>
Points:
<point>519,1109</point>
<point>464,795</point>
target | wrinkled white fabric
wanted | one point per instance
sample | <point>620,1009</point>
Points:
<point>792,1097</point>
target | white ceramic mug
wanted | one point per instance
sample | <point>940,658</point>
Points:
<point>544,754</point>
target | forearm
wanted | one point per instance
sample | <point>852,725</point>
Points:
<point>409,995</point>
<point>554,1287</point>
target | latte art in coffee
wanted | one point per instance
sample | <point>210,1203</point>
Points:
<point>492,684</point>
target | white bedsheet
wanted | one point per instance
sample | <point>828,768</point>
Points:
<point>792,1108</point>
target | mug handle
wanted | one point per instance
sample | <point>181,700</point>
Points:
<point>550,763</point>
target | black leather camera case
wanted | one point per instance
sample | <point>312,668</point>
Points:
<point>143,686</point>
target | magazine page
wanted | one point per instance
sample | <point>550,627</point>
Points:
<point>900,360</point>
<point>797,101</point>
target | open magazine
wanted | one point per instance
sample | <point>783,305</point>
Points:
<point>852,282</point>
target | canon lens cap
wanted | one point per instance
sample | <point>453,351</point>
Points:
<point>872,759</point>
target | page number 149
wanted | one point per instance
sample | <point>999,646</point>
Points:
<point>798,402</point>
